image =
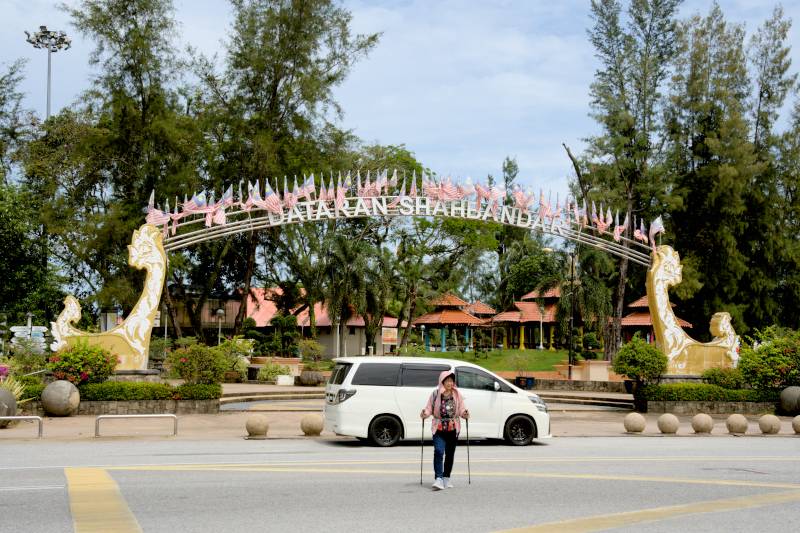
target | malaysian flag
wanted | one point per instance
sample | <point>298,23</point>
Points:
<point>289,200</point>
<point>332,188</point>
<point>620,229</point>
<point>402,193</point>
<point>413,191</point>
<point>341,192</point>
<point>641,233</point>
<point>227,197</point>
<point>449,190</point>
<point>467,189</point>
<point>656,227</point>
<point>323,191</point>
<point>481,192</point>
<point>196,205</point>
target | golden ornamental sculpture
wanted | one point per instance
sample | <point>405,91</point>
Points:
<point>130,340</point>
<point>686,355</point>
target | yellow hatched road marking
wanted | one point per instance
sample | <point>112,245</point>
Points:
<point>96,503</point>
<point>603,522</point>
<point>539,475</point>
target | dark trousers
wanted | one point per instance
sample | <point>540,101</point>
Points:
<point>444,450</point>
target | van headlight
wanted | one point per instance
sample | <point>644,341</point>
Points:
<point>344,394</point>
<point>538,402</point>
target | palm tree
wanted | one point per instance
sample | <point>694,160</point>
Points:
<point>345,284</point>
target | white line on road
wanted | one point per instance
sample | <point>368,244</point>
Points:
<point>42,487</point>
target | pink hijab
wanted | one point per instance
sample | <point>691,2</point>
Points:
<point>435,401</point>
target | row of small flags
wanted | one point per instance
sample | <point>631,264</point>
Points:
<point>444,190</point>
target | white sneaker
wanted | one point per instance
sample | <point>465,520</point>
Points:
<point>447,483</point>
<point>438,484</point>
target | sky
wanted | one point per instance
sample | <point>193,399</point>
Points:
<point>462,84</point>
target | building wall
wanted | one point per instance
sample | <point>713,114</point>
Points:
<point>355,342</point>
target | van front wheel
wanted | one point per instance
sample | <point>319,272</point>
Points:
<point>385,431</point>
<point>520,430</point>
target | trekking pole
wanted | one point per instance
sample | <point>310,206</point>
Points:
<point>469,470</point>
<point>421,448</point>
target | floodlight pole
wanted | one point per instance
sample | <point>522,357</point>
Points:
<point>53,41</point>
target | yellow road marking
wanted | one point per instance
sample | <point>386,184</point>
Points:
<point>539,475</point>
<point>96,503</point>
<point>602,522</point>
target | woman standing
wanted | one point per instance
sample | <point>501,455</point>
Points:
<point>447,407</point>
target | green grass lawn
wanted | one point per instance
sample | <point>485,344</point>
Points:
<point>500,360</point>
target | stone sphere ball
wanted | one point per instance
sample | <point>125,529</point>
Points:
<point>769,424</point>
<point>790,400</point>
<point>668,424</point>
<point>634,423</point>
<point>61,398</point>
<point>796,424</point>
<point>702,423</point>
<point>8,406</point>
<point>257,426</point>
<point>736,424</point>
<point>311,425</point>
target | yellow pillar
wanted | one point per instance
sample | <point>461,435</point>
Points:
<point>521,337</point>
<point>505,338</point>
<point>552,333</point>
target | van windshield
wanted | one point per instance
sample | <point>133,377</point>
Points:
<point>339,372</point>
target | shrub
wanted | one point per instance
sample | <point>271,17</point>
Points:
<point>82,363</point>
<point>411,350</point>
<point>590,341</point>
<point>198,364</point>
<point>26,359</point>
<point>773,361</point>
<point>33,391</point>
<point>640,361</point>
<point>727,378</point>
<point>704,392</point>
<point>310,350</point>
<point>270,371</point>
<point>235,352</point>
<point>589,355</point>
<point>159,347</point>
<point>198,391</point>
<point>125,391</point>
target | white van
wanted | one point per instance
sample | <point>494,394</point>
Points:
<point>380,398</point>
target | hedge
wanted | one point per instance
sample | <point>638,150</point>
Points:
<point>704,392</point>
<point>111,391</point>
<point>125,391</point>
<point>33,391</point>
<point>197,391</point>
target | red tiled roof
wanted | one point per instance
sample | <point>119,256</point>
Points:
<point>480,308</point>
<point>526,312</point>
<point>555,292</point>
<point>448,299</point>
<point>261,309</point>
<point>453,317</point>
<point>643,319</point>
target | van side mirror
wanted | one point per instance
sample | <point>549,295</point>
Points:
<point>496,387</point>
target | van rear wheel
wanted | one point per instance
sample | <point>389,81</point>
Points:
<point>385,431</point>
<point>520,430</point>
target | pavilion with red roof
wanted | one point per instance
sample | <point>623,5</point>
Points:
<point>641,321</point>
<point>450,311</point>
<point>529,318</point>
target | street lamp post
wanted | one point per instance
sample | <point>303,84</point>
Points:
<point>540,303</point>
<point>52,41</point>
<point>220,313</point>
<point>571,357</point>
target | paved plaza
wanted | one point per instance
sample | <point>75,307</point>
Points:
<point>210,480</point>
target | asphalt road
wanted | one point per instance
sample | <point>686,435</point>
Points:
<point>562,484</point>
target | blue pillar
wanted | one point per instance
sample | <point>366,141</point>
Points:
<point>444,338</point>
<point>468,339</point>
<point>427,340</point>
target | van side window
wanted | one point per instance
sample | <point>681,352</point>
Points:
<point>417,375</point>
<point>378,374</point>
<point>472,378</point>
<point>339,373</point>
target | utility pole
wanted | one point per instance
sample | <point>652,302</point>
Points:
<point>52,41</point>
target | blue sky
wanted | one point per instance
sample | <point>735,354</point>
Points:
<point>460,83</point>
